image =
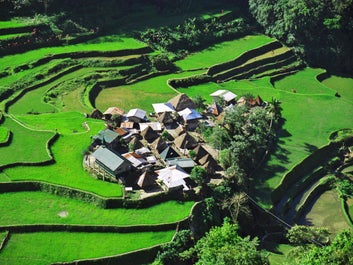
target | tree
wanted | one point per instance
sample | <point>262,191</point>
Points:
<point>222,246</point>
<point>339,252</point>
<point>219,138</point>
<point>200,102</point>
<point>300,235</point>
<point>237,205</point>
<point>199,175</point>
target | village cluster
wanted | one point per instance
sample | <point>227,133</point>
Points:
<point>158,154</point>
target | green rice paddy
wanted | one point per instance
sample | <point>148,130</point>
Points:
<point>48,247</point>
<point>44,208</point>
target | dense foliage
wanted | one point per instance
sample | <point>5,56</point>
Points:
<point>339,252</point>
<point>321,30</point>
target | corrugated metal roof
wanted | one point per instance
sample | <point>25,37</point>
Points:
<point>108,158</point>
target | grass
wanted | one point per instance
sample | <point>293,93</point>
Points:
<point>343,85</point>
<point>327,212</point>
<point>26,145</point>
<point>14,23</point>
<point>32,101</point>
<point>309,120</point>
<point>4,134</point>
<point>94,45</point>
<point>277,253</point>
<point>12,36</point>
<point>139,95</point>
<point>49,247</point>
<point>304,82</point>
<point>222,52</point>
<point>43,208</point>
<point>67,152</point>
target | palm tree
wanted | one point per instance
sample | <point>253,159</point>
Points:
<point>237,205</point>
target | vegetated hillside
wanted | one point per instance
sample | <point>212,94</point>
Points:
<point>322,31</point>
<point>59,82</point>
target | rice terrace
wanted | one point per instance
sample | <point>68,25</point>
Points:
<point>176,132</point>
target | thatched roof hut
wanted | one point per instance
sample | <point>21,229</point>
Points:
<point>185,141</point>
<point>149,134</point>
<point>182,101</point>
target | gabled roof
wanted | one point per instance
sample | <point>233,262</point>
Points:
<point>181,162</point>
<point>189,114</point>
<point>112,161</point>
<point>142,151</point>
<point>173,177</point>
<point>96,114</point>
<point>136,143</point>
<point>256,102</point>
<point>138,113</point>
<point>149,134</point>
<point>211,165</point>
<point>113,110</point>
<point>206,158</point>
<point>156,126</point>
<point>225,94</point>
<point>159,144</point>
<point>185,141</point>
<point>182,101</point>
<point>166,118</point>
<point>163,107</point>
<point>215,109</point>
<point>168,152</point>
<point>147,179</point>
<point>106,136</point>
<point>199,152</point>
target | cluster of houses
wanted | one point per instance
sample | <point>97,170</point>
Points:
<point>154,154</point>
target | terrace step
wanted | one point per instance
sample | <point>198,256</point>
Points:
<point>253,63</point>
<point>282,65</point>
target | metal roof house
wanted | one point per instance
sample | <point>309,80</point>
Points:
<point>106,137</point>
<point>163,107</point>
<point>172,178</point>
<point>136,115</point>
<point>110,163</point>
<point>226,95</point>
<point>185,163</point>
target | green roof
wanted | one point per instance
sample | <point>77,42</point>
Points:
<point>108,159</point>
<point>106,136</point>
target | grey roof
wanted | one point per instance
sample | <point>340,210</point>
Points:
<point>169,152</point>
<point>109,159</point>
<point>106,136</point>
<point>181,162</point>
<point>189,114</point>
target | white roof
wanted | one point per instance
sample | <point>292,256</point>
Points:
<point>151,159</point>
<point>139,113</point>
<point>173,177</point>
<point>225,94</point>
<point>156,126</point>
<point>163,107</point>
<point>142,151</point>
<point>189,114</point>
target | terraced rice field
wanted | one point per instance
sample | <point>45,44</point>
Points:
<point>311,112</point>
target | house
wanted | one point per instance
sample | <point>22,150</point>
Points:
<point>135,143</point>
<point>106,137</point>
<point>199,152</point>
<point>127,125</point>
<point>136,115</point>
<point>156,126</point>
<point>143,151</point>
<point>227,96</point>
<point>167,119</point>
<point>112,111</point>
<point>257,102</point>
<point>190,118</point>
<point>136,160</point>
<point>208,163</point>
<point>149,134</point>
<point>172,178</point>
<point>186,164</point>
<point>96,114</point>
<point>182,101</point>
<point>185,141</point>
<point>215,109</point>
<point>110,163</point>
<point>147,180</point>
<point>160,108</point>
<point>168,152</point>
<point>159,144</point>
